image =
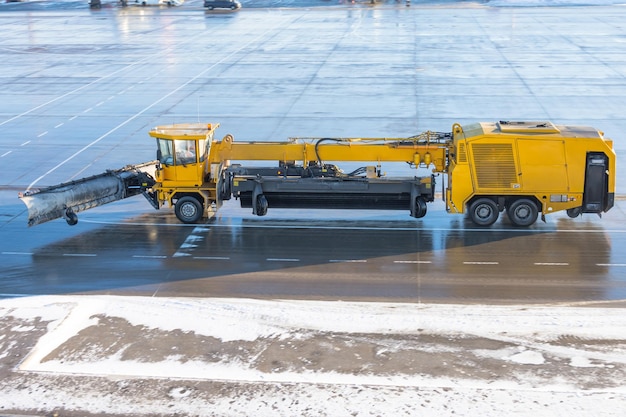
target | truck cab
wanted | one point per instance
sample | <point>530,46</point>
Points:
<point>183,169</point>
<point>182,152</point>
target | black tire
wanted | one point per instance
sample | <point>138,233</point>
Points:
<point>522,212</point>
<point>483,212</point>
<point>70,217</point>
<point>210,8</point>
<point>233,7</point>
<point>420,208</point>
<point>574,212</point>
<point>188,209</point>
<point>261,205</point>
<point>224,186</point>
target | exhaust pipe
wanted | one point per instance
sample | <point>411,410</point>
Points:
<point>67,199</point>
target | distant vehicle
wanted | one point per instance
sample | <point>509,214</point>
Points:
<point>159,2</point>
<point>222,4</point>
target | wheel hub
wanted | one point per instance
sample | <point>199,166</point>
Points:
<point>483,212</point>
<point>522,212</point>
<point>188,210</point>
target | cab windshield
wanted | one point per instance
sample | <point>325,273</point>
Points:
<point>165,151</point>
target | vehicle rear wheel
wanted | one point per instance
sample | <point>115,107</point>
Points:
<point>188,209</point>
<point>420,208</point>
<point>483,212</point>
<point>261,205</point>
<point>522,212</point>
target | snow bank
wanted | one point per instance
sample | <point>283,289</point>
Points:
<point>531,329</point>
<point>140,355</point>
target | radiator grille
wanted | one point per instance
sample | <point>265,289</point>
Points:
<point>495,165</point>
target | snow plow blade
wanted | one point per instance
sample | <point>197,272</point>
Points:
<point>67,199</point>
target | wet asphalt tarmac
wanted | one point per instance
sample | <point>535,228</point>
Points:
<point>81,88</point>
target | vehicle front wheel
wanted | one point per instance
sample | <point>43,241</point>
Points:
<point>522,212</point>
<point>188,209</point>
<point>483,212</point>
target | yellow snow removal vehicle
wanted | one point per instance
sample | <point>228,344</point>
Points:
<point>523,168</point>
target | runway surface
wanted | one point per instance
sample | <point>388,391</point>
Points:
<point>81,88</point>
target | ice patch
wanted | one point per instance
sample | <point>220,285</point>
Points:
<point>528,357</point>
<point>180,392</point>
<point>582,362</point>
<point>22,328</point>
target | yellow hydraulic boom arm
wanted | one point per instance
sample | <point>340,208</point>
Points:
<point>422,150</point>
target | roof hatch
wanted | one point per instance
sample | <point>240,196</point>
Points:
<point>527,127</point>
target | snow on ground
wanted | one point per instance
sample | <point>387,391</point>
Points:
<point>165,356</point>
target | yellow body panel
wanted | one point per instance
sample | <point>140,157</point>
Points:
<point>547,163</point>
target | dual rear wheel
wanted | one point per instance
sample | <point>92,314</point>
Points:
<point>522,212</point>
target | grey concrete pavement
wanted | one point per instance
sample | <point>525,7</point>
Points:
<point>80,90</point>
